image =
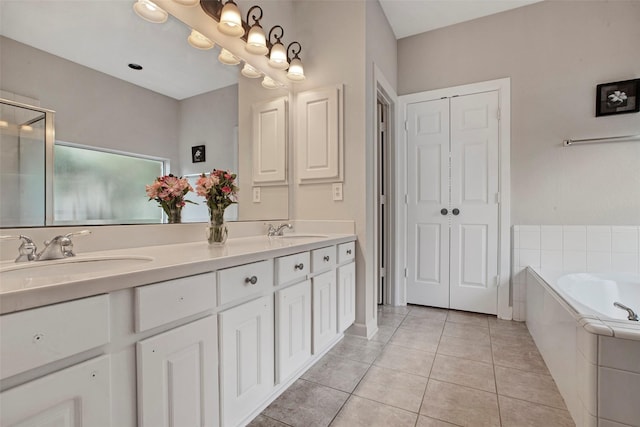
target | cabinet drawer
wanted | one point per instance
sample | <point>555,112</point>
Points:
<point>165,302</point>
<point>346,252</point>
<point>292,267</point>
<point>323,259</point>
<point>244,280</point>
<point>33,338</point>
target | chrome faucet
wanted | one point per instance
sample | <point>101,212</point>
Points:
<point>27,250</point>
<point>59,247</point>
<point>277,231</point>
<point>632,314</point>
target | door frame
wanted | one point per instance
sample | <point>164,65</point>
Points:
<point>503,87</point>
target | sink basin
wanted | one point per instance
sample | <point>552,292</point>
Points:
<point>302,236</point>
<point>68,267</point>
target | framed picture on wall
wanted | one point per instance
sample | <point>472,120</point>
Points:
<point>617,98</point>
<point>198,154</point>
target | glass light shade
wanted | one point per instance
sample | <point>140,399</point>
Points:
<point>296,72</point>
<point>269,83</point>
<point>199,41</point>
<point>228,58</point>
<point>250,72</point>
<point>278,57</point>
<point>149,11</point>
<point>256,41</point>
<point>187,2</point>
<point>4,124</point>
<point>230,20</point>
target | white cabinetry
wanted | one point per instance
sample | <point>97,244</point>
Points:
<point>324,310</point>
<point>246,358</point>
<point>293,329</point>
<point>177,376</point>
<point>73,397</point>
<point>270,142</point>
<point>346,296</point>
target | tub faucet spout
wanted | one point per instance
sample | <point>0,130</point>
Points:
<point>632,314</point>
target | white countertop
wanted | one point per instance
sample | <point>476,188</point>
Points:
<point>166,262</point>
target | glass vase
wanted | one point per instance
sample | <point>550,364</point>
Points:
<point>174,215</point>
<point>217,232</point>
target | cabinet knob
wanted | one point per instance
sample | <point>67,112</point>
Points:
<point>253,280</point>
<point>348,251</point>
<point>444,211</point>
<point>456,211</point>
<point>326,258</point>
<point>298,266</point>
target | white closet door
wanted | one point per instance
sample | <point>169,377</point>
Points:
<point>428,194</point>
<point>474,202</point>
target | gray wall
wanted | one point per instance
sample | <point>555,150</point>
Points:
<point>555,52</point>
<point>92,108</point>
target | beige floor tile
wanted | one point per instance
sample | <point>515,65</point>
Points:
<point>497,325</point>
<point>406,360</point>
<point>510,339</point>
<point>359,412</point>
<point>416,340</point>
<point>384,334</point>
<point>432,422</point>
<point>431,326</point>
<point>337,372</point>
<point>517,413</point>
<point>460,405</point>
<point>262,421</point>
<point>393,388</point>
<point>428,312</point>
<point>529,386</point>
<point>467,332</point>
<point>464,372</point>
<point>524,358</point>
<point>390,319</point>
<point>394,309</point>
<point>306,404</point>
<point>468,318</point>
<point>357,348</point>
<point>465,349</point>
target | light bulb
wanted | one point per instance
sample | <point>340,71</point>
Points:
<point>228,58</point>
<point>250,72</point>
<point>199,41</point>
<point>149,11</point>
<point>256,41</point>
<point>269,83</point>
<point>278,57</point>
<point>230,20</point>
<point>296,71</point>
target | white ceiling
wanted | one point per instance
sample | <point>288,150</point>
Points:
<point>409,17</point>
<point>106,35</point>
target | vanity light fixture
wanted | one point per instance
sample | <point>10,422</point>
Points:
<point>230,20</point>
<point>296,71</point>
<point>149,11</point>
<point>250,72</point>
<point>199,41</point>
<point>278,54</point>
<point>26,128</point>
<point>228,58</point>
<point>269,83</point>
<point>256,39</point>
<point>4,124</point>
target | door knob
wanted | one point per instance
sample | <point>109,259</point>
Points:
<point>456,211</point>
<point>444,211</point>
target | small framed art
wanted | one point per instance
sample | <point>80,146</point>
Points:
<point>617,98</point>
<point>197,154</point>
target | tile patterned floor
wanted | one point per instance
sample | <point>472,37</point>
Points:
<point>426,367</point>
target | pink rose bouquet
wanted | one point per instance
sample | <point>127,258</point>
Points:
<point>169,192</point>
<point>220,190</point>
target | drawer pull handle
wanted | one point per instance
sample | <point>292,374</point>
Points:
<point>326,258</point>
<point>298,266</point>
<point>348,251</point>
<point>253,280</point>
<point>38,337</point>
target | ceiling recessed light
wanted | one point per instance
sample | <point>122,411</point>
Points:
<point>136,67</point>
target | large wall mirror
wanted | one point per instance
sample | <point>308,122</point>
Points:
<point>73,57</point>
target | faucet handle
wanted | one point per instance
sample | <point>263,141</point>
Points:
<point>66,244</point>
<point>27,250</point>
<point>78,233</point>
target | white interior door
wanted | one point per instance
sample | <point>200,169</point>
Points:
<point>427,195</point>
<point>474,202</point>
<point>452,202</point>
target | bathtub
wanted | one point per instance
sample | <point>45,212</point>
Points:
<point>590,347</point>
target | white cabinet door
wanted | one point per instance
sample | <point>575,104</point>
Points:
<point>177,377</point>
<point>73,397</point>
<point>319,135</point>
<point>246,358</point>
<point>346,296</point>
<point>324,310</point>
<point>293,329</point>
<point>270,142</point>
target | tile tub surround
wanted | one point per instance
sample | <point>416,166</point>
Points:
<point>571,248</point>
<point>394,381</point>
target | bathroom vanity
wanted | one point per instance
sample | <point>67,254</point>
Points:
<point>182,334</point>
